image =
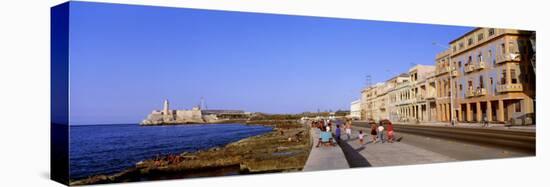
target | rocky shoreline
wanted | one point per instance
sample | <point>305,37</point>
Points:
<point>285,148</point>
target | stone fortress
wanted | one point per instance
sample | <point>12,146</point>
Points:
<point>195,115</point>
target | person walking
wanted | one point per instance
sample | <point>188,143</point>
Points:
<point>361,136</point>
<point>485,122</point>
<point>381,133</point>
<point>337,133</point>
<point>373,132</point>
<point>348,129</point>
<point>390,132</point>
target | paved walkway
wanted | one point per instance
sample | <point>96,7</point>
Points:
<point>386,154</point>
<point>323,157</point>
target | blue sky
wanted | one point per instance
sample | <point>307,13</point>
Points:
<point>125,60</point>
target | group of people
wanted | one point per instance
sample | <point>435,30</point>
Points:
<point>377,132</point>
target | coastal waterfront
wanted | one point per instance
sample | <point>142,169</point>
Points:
<point>285,148</point>
<point>107,149</point>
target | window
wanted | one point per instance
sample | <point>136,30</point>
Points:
<point>518,106</point>
<point>491,81</point>
<point>460,87</point>
<point>459,64</point>
<point>493,58</point>
<point>503,48</point>
<point>454,48</point>
<point>503,77</point>
<point>491,32</point>
<point>481,85</point>
<point>513,76</point>
<point>479,57</point>
<point>470,41</point>
<point>460,45</point>
<point>469,60</point>
<point>512,47</point>
<point>480,37</point>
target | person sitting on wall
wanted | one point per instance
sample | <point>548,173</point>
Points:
<point>325,138</point>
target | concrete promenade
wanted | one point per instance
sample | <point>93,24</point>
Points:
<point>324,157</point>
<point>386,154</point>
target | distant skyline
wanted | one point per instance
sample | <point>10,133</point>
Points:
<point>126,59</point>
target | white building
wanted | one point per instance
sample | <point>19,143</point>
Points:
<point>355,109</point>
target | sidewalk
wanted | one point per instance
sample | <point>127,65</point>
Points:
<point>324,158</point>
<point>471,125</point>
<point>387,154</point>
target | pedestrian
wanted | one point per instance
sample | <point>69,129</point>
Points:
<point>373,132</point>
<point>337,133</point>
<point>348,129</point>
<point>361,135</point>
<point>485,122</point>
<point>381,133</point>
<point>390,132</point>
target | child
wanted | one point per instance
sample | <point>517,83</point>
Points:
<point>381,133</point>
<point>348,130</point>
<point>361,135</point>
<point>337,133</point>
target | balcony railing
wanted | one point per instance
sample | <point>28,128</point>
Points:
<point>508,57</point>
<point>454,73</point>
<point>430,96</point>
<point>481,92</point>
<point>470,93</point>
<point>442,70</point>
<point>469,68</point>
<point>481,65</point>
<point>509,88</point>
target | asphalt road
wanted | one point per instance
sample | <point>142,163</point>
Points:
<point>459,150</point>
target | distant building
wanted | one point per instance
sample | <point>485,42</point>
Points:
<point>416,97</point>
<point>355,109</point>
<point>193,115</point>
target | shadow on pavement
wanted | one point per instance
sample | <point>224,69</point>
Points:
<point>354,158</point>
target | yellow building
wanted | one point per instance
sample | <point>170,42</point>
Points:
<point>486,73</point>
<point>493,78</point>
<point>374,102</point>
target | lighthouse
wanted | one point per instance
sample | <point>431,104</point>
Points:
<point>166,107</point>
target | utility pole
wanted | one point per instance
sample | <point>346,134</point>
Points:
<point>369,84</point>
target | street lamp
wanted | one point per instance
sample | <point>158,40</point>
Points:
<point>451,69</point>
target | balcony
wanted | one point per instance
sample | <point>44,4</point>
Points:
<point>440,71</point>
<point>508,57</point>
<point>481,65</point>
<point>431,96</point>
<point>470,93</point>
<point>481,92</point>
<point>454,73</point>
<point>469,68</point>
<point>509,88</point>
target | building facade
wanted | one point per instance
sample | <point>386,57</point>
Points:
<point>495,80</point>
<point>355,109</point>
<point>485,74</point>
